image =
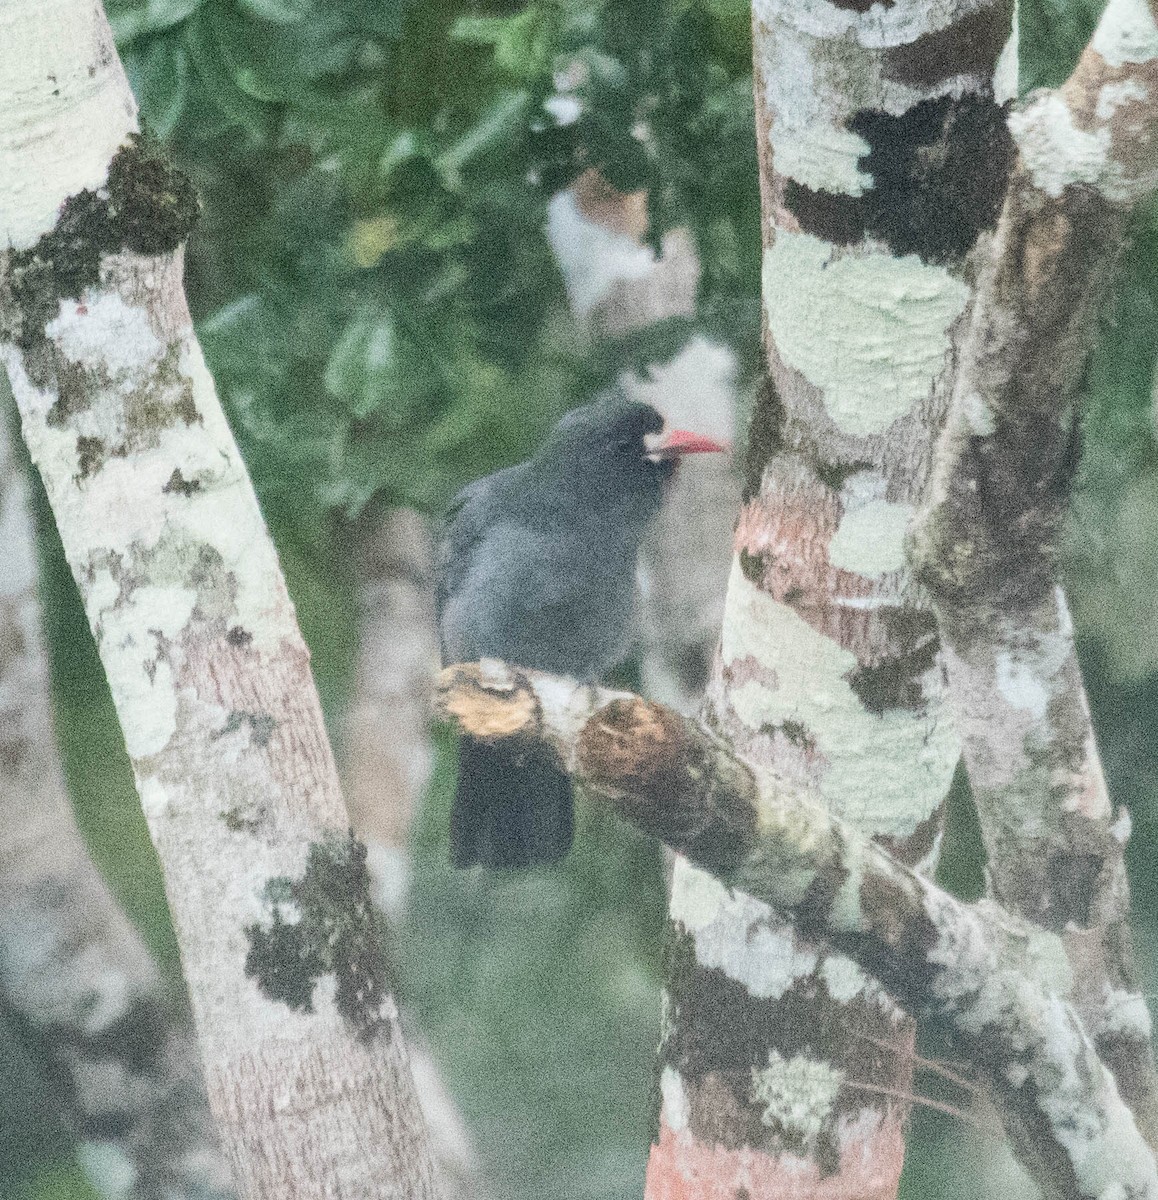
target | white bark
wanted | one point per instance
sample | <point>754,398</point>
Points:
<point>71,965</point>
<point>874,126</point>
<point>305,1067</point>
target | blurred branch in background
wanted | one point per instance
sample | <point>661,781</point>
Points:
<point>115,1044</point>
<point>618,286</point>
<point>386,758</point>
<point>385,738</point>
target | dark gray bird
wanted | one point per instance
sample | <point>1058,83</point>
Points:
<point>537,567</point>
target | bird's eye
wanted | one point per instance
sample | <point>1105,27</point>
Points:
<point>625,445</point>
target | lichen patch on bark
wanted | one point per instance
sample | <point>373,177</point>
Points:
<point>145,206</point>
<point>717,1047</point>
<point>324,924</point>
<point>927,197</point>
<point>888,320</point>
<point>889,794</point>
<point>797,1093</point>
<point>870,539</point>
<point>737,934</point>
<point>1127,33</point>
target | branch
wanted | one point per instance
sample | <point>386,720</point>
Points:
<point>397,658</point>
<point>384,776</point>
<point>72,967</point>
<point>998,984</point>
<point>985,544</point>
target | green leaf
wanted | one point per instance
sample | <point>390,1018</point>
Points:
<point>159,74</point>
<point>376,369</point>
<point>400,149</point>
<point>523,42</point>
<point>216,73</point>
<point>491,130</point>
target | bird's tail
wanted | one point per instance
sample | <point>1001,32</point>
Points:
<point>512,808</point>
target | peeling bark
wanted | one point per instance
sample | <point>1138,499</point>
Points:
<point>1001,987</point>
<point>72,967</point>
<point>883,156</point>
<point>305,1068</point>
<point>986,541</point>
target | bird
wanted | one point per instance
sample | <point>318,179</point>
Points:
<point>537,567</point>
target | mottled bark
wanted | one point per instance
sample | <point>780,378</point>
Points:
<point>986,542</point>
<point>72,967</point>
<point>305,1068</point>
<point>883,155</point>
<point>1000,986</point>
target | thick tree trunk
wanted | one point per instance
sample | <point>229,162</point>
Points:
<point>883,154</point>
<point>305,1067</point>
<point>72,967</point>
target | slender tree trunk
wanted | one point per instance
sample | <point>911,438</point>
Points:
<point>386,751</point>
<point>1002,482</point>
<point>72,967</point>
<point>305,1067</point>
<point>386,732</point>
<point>884,154</point>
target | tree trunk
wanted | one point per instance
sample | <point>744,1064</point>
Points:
<point>385,734</point>
<point>986,539</point>
<point>386,752</point>
<point>305,1067</point>
<point>883,155</point>
<point>72,967</point>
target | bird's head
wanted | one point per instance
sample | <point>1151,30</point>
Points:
<point>618,448</point>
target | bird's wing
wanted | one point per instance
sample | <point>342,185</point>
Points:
<point>462,528</point>
<point>466,523</point>
<point>518,597</point>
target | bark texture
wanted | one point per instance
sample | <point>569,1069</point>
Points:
<point>883,155</point>
<point>305,1068</point>
<point>72,967</point>
<point>1002,987</point>
<point>986,541</point>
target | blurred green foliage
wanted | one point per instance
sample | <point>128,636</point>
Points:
<point>375,288</point>
<point>384,317</point>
